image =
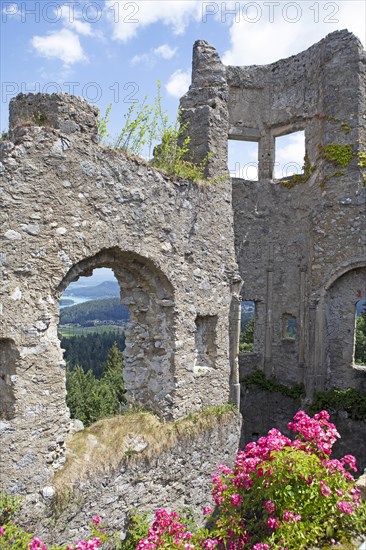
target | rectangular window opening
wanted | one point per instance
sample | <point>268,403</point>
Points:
<point>246,342</point>
<point>289,327</point>
<point>205,340</point>
<point>289,155</point>
<point>243,159</point>
<point>359,352</point>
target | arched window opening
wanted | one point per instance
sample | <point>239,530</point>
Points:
<point>289,154</point>
<point>128,307</point>
<point>9,357</point>
<point>92,334</point>
<point>247,328</point>
<point>360,333</point>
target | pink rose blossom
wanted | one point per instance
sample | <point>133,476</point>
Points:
<point>207,510</point>
<point>290,516</point>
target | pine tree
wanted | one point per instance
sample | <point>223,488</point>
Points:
<point>113,376</point>
<point>90,399</point>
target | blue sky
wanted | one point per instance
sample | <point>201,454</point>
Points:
<point>114,51</point>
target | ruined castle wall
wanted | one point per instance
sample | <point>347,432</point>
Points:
<point>300,244</point>
<point>293,243</point>
<point>69,206</point>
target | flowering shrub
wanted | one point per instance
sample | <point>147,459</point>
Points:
<point>281,494</point>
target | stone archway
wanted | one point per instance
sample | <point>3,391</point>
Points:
<point>340,303</point>
<point>148,356</point>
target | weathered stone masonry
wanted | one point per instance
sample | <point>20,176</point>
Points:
<point>302,250</point>
<point>70,206</point>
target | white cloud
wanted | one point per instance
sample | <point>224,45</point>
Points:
<point>280,29</point>
<point>71,18</point>
<point>128,18</point>
<point>178,83</point>
<point>63,45</point>
<point>290,152</point>
<point>165,51</point>
<point>143,58</point>
<point>80,27</point>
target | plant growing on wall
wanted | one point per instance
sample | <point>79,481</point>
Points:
<point>147,129</point>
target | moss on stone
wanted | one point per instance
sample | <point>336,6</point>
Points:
<point>341,155</point>
<point>295,179</point>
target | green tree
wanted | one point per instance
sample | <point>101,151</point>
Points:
<point>360,346</point>
<point>246,343</point>
<point>113,377</point>
<point>90,399</point>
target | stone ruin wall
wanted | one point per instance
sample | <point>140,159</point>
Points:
<point>69,206</point>
<point>302,250</point>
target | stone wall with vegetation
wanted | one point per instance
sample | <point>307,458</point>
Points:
<point>70,205</point>
<point>166,466</point>
<point>300,240</point>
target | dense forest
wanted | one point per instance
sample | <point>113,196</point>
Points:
<point>90,398</point>
<point>107,309</point>
<point>90,352</point>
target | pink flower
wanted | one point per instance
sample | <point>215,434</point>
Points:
<point>345,507</point>
<point>351,461</point>
<point>209,544</point>
<point>260,546</point>
<point>269,506</point>
<point>207,510</point>
<point>271,522</point>
<point>96,520</point>
<point>317,434</point>
<point>290,516</point>
<point>236,500</point>
<point>324,489</point>
<point>37,544</point>
<point>2,530</point>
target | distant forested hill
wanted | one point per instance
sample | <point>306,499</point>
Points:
<point>107,309</point>
<point>106,289</point>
